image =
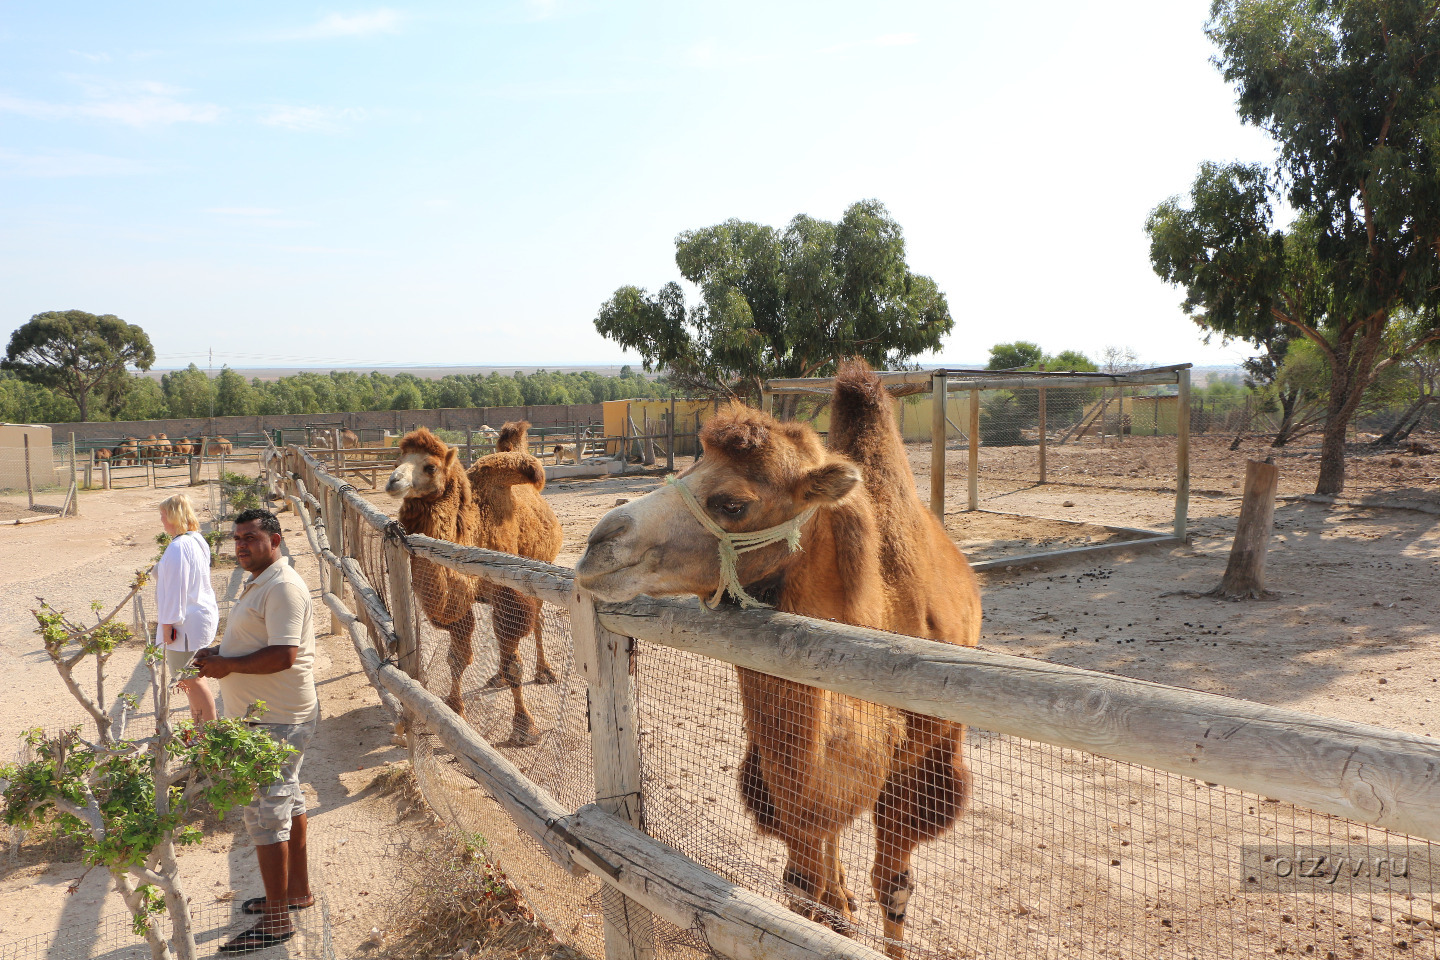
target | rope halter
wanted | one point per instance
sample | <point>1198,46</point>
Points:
<point>734,544</point>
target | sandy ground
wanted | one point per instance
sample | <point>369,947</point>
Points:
<point>1354,632</point>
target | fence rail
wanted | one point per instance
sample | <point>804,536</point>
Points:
<point>1365,774</point>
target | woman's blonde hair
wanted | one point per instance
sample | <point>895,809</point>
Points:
<point>178,511</point>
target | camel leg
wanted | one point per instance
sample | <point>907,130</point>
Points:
<point>815,882</point>
<point>462,651</point>
<point>922,798</point>
<point>508,615</point>
<point>543,672</point>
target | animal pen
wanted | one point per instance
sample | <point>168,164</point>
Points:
<point>1108,817</point>
<point>1018,417</point>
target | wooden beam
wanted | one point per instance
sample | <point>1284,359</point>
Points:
<point>1358,771</point>
<point>532,577</point>
<point>938,398</point>
<point>402,609</point>
<point>974,466</point>
<point>1182,456</point>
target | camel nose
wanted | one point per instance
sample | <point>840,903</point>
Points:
<point>610,527</point>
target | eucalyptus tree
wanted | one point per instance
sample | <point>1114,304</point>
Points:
<point>1347,90</point>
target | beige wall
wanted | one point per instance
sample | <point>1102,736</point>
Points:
<point>12,455</point>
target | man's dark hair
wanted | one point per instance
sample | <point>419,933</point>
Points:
<point>267,521</point>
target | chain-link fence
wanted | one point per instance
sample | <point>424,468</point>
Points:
<point>770,785</point>
<point>37,481</point>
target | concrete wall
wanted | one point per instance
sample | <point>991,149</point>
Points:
<point>12,456</point>
<point>367,423</point>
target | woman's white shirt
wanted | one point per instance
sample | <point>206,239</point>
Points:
<point>183,594</point>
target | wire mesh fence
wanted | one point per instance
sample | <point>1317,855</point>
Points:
<point>809,799</point>
<point>35,481</point>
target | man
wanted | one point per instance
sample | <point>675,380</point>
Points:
<point>267,656</point>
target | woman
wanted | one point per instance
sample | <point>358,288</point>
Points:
<point>185,601</point>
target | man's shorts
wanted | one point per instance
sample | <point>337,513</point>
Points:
<point>268,816</point>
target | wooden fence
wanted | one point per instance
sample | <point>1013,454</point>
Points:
<point>1363,773</point>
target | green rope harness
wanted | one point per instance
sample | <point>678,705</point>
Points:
<point>734,544</point>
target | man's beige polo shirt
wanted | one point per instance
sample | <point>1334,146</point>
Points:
<point>273,610</point>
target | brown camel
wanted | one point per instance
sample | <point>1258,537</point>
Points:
<point>128,452</point>
<point>871,555</point>
<point>439,503</point>
<point>516,519</point>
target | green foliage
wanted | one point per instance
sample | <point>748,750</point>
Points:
<point>1020,355</point>
<point>1347,90</point>
<point>188,392</point>
<point>144,400</point>
<point>185,394</point>
<point>1003,417</point>
<point>72,352</point>
<point>234,396</point>
<point>782,303</point>
<point>103,794</point>
<point>162,540</point>
<point>241,493</point>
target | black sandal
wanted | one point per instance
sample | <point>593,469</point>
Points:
<point>255,939</point>
<point>256,906</point>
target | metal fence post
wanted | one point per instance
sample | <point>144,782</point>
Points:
<point>29,485</point>
<point>605,660</point>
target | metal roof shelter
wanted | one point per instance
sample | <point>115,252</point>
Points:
<point>943,381</point>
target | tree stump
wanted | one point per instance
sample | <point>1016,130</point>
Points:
<point>1245,573</point>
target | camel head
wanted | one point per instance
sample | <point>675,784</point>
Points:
<point>757,474</point>
<point>424,466</point>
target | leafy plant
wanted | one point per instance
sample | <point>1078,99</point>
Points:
<point>132,802</point>
<point>240,493</point>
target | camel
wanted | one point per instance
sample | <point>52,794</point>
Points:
<point>184,447</point>
<point>512,436</point>
<point>128,452</point>
<point>489,432</point>
<point>566,451</point>
<point>869,554</point>
<point>325,439</point>
<point>217,447</point>
<point>440,503</point>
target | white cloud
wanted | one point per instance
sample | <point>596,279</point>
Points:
<point>67,164</point>
<point>136,104</point>
<point>342,25</point>
<point>92,57</point>
<point>310,119</point>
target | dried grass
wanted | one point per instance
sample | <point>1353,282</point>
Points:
<point>451,900</point>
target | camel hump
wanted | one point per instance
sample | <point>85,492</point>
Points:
<point>514,435</point>
<point>862,413</point>
<point>509,468</point>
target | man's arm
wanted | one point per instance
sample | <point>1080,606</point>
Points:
<point>265,660</point>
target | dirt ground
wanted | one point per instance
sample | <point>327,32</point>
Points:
<point>1354,632</point>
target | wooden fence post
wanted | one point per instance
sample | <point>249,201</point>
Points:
<point>402,606</point>
<point>670,435</point>
<point>105,473</point>
<point>974,449</point>
<point>335,533</point>
<point>469,447</point>
<point>939,396</point>
<point>605,660</point>
<point>1182,454</point>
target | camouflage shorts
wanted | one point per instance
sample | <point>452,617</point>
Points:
<point>268,816</point>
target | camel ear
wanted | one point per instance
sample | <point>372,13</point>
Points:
<point>829,484</point>
<point>451,455</point>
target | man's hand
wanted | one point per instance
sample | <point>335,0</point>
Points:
<point>209,663</point>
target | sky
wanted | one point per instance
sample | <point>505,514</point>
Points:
<point>466,183</point>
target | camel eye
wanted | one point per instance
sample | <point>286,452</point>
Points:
<point>731,508</point>
<point>429,468</point>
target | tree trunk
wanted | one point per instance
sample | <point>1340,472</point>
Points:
<point>1332,458</point>
<point>1400,430</point>
<point>1245,573</point>
<point>1289,403</point>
